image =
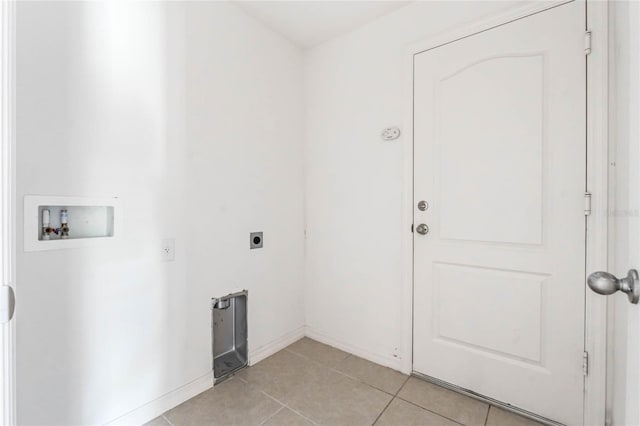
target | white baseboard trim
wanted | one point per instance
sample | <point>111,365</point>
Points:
<point>257,355</point>
<point>158,406</point>
<point>393,363</point>
<point>153,409</point>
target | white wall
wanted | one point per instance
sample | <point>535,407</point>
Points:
<point>245,159</point>
<point>355,86</point>
<point>624,321</point>
<point>192,115</point>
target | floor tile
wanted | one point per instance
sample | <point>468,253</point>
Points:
<point>372,374</point>
<point>500,417</point>
<point>158,421</point>
<point>400,412</point>
<point>230,403</point>
<point>335,399</point>
<point>297,386</point>
<point>283,374</point>
<point>286,417</point>
<point>452,405</point>
<point>318,351</point>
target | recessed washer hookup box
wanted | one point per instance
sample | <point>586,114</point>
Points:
<point>229,335</point>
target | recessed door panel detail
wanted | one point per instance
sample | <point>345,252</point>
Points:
<point>490,122</point>
<point>489,309</point>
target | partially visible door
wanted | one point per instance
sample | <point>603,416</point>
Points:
<point>7,224</point>
<point>499,160</point>
<point>624,219</point>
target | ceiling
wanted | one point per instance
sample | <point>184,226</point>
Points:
<point>309,23</point>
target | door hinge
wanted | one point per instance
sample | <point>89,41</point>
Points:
<point>587,203</point>
<point>587,43</point>
<point>585,363</point>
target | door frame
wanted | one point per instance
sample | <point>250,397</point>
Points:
<point>596,184</point>
<point>7,205</point>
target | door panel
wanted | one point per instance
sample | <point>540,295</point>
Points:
<point>499,155</point>
<point>510,129</point>
<point>462,294</point>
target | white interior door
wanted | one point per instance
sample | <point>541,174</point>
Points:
<point>623,372</point>
<point>7,223</point>
<point>499,156</point>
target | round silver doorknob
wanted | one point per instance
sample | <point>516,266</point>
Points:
<point>422,229</point>
<point>603,283</point>
<point>606,283</point>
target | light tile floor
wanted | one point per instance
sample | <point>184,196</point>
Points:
<point>310,383</point>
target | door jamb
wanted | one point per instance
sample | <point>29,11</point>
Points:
<point>7,204</point>
<point>596,183</point>
<point>597,223</point>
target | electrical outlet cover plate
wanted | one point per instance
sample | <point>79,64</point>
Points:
<point>255,240</point>
<point>168,249</point>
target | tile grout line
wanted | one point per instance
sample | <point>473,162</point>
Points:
<point>311,359</point>
<point>365,383</point>
<point>383,410</point>
<point>486,419</point>
<point>360,381</point>
<point>403,385</point>
<point>333,369</point>
<point>272,415</point>
<point>166,419</point>
<point>393,397</point>
<point>431,411</point>
<point>284,405</point>
<point>342,373</point>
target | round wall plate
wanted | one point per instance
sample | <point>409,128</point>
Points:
<point>390,133</point>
